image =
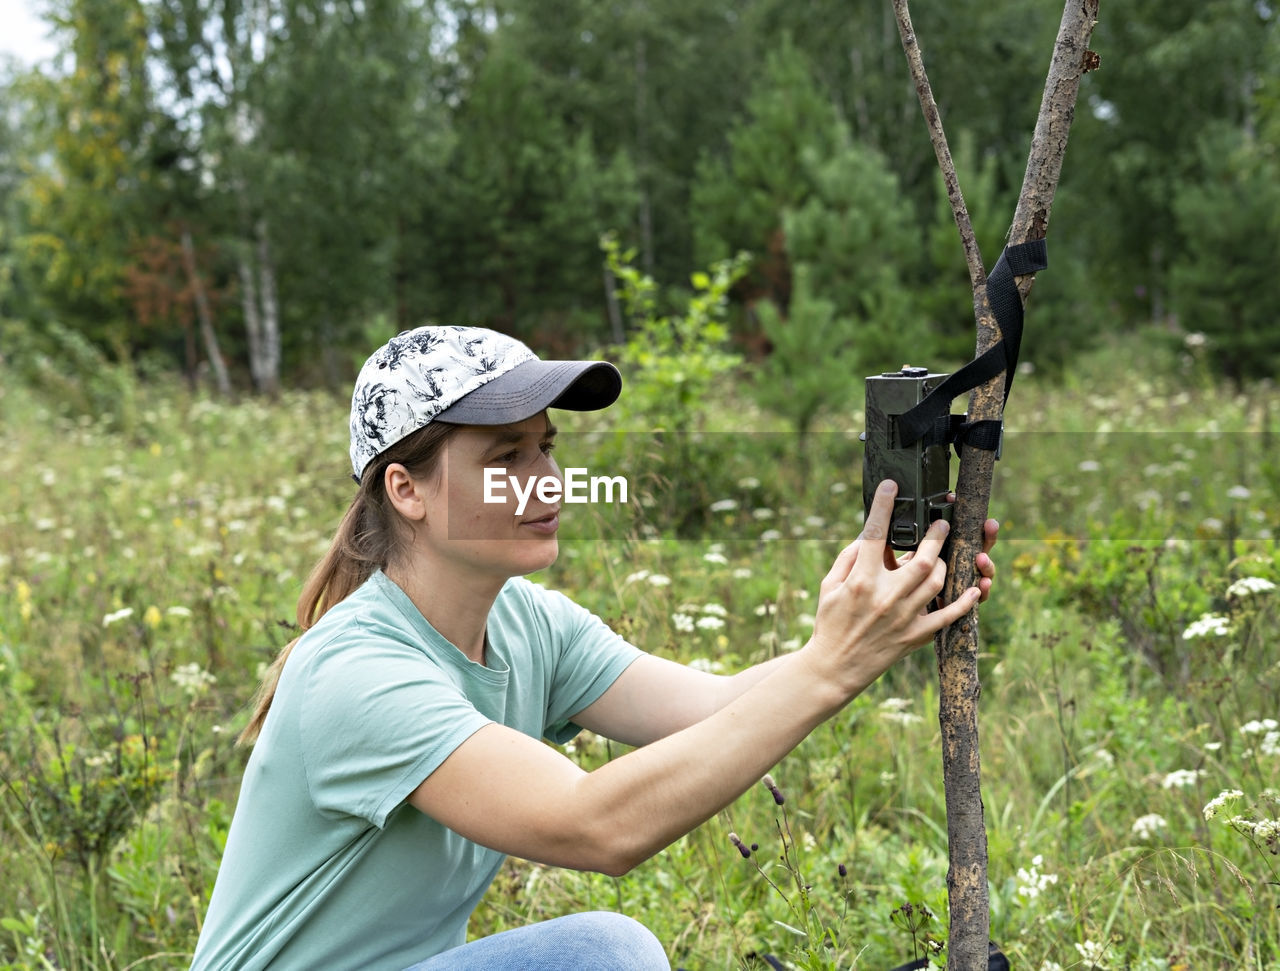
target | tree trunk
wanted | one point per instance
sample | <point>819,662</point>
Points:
<point>270,313</point>
<point>261,314</point>
<point>207,333</point>
<point>957,646</point>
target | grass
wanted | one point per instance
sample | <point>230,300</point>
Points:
<point>150,559</point>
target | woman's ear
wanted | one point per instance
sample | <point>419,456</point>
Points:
<point>405,492</point>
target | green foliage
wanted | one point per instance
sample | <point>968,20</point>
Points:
<point>789,128</point>
<point>1219,290</point>
<point>814,361</point>
<point>82,799</point>
<point>510,237</point>
<point>674,359</point>
<point>481,153</point>
<point>166,552</point>
<point>86,207</point>
<point>673,362</point>
<point>72,374</point>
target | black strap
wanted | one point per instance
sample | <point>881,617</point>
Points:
<point>931,419</point>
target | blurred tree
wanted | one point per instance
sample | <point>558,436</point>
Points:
<point>1171,70</point>
<point>852,312</point>
<point>657,79</point>
<point>302,119</point>
<point>768,168</point>
<point>1219,287</point>
<point>85,201</point>
<point>510,236</point>
<point>15,299</point>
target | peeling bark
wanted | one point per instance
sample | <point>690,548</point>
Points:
<point>957,646</point>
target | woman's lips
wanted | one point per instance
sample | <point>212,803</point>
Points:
<point>547,524</point>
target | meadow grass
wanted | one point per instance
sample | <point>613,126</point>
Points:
<point>150,566</point>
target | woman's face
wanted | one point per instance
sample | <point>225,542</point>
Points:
<point>475,514</point>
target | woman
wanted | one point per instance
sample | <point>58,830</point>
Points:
<point>398,755</point>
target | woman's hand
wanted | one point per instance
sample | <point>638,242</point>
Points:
<point>986,566</point>
<point>872,608</point>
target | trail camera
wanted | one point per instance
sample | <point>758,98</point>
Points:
<point>922,471</point>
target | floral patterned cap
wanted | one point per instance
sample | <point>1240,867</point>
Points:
<point>465,375</point>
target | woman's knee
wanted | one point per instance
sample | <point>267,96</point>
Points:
<point>617,942</point>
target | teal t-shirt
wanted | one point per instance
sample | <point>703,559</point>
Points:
<point>326,864</point>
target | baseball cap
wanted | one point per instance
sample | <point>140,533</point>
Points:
<point>465,375</point>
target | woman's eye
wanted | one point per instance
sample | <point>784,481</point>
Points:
<point>506,458</point>
<point>548,448</point>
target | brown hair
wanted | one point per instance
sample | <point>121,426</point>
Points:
<point>368,539</point>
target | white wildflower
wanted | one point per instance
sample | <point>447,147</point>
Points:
<point>1270,744</point>
<point>769,535</point>
<point>1195,340</point>
<point>192,679</point>
<point>1091,952</point>
<point>1088,465</point>
<point>116,616</point>
<point>1250,585</point>
<point>1259,726</point>
<point>895,704</point>
<point>902,717</point>
<point>766,610</point>
<point>682,623</point>
<point>1212,807</point>
<point>750,482</point>
<point>717,558</point>
<point>1239,492</point>
<point>1148,826</point>
<point>762,513</point>
<point>741,573</point>
<point>1181,778</point>
<point>716,610</point>
<point>706,664</point>
<point>658,580</point>
<point>709,623</point>
<point>1209,625</point>
<point>178,611</point>
<point>724,505</point>
<point>1031,882</point>
<point>637,576</point>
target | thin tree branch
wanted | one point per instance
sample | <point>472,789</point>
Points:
<point>957,646</point>
<point>915,61</point>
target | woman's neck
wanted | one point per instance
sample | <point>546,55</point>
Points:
<point>456,604</point>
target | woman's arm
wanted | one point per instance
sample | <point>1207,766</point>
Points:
<point>656,697</point>
<point>510,792</point>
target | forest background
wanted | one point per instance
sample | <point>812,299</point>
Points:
<point>212,210</point>
<point>278,185</point>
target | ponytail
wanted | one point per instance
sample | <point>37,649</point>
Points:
<point>368,539</point>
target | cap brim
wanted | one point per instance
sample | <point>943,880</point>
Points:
<point>530,387</point>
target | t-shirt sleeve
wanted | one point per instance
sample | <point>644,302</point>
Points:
<point>372,731</point>
<point>588,656</point>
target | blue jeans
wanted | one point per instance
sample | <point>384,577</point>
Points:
<point>594,941</point>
